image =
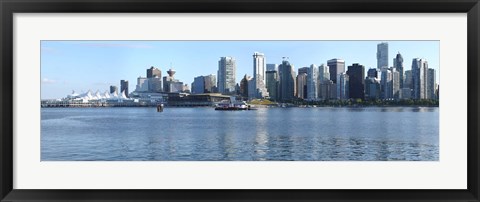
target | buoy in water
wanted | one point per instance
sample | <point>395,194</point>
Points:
<point>160,108</point>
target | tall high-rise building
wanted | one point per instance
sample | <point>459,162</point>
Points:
<point>395,84</point>
<point>382,56</point>
<point>286,91</point>
<point>407,82</point>
<point>226,75</point>
<point>198,85</point>
<point>372,88</point>
<point>419,78</point>
<point>259,75</point>
<point>312,83</point>
<point>210,84</point>
<point>386,84</point>
<point>323,73</point>
<point>372,73</point>
<point>272,83</point>
<point>154,77</point>
<point>342,86</point>
<point>244,86</point>
<point>302,83</point>
<point>124,87</point>
<point>336,67</point>
<point>142,84</point>
<point>113,89</point>
<point>398,65</point>
<point>431,84</point>
<point>356,76</point>
<point>154,72</point>
<point>327,90</point>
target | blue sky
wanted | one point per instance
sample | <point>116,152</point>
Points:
<point>95,65</point>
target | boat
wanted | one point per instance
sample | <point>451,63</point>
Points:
<point>232,105</point>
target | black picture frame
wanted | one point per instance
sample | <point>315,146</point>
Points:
<point>10,7</point>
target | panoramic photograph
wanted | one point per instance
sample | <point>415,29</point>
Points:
<point>293,100</point>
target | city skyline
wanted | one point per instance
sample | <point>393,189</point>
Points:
<point>96,65</point>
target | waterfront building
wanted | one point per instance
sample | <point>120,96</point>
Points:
<point>226,75</point>
<point>113,89</point>
<point>372,88</point>
<point>259,75</point>
<point>124,87</point>
<point>356,86</point>
<point>406,93</point>
<point>398,65</point>
<point>302,83</point>
<point>153,72</point>
<point>382,56</point>
<point>272,83</point>
<point>419,78</point>
<point>336,67</point>
<point>395,84</point>
<point>327,90</point>
<point>372,73</point>
<point>286,91</point>
<point>323,73</point>
<point>323,76</point>
<point>142,84</point>
<point>407,83</point>
<point>244,86</point>
<point>198,85</point>
<point>312,83</point>
<point>210,83</point>
<point>342,86</point>
<point>386,83</point>
<point>251,89</point>
<point>155,84</point>
<point>431,84</point>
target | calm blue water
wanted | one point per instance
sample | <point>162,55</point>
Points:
<point>279,134</point>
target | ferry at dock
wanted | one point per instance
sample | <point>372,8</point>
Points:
<point>232,105</point>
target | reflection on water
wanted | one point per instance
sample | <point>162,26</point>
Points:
<point>203,134</point>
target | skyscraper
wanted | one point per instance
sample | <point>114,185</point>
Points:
<point>302,83</point>
<point>336,67</point>
<point>382,55</point>
<point>386,84</point>
<point>272,83</point>
<point>244,86</point>
<point>356,87</point>
<point>372,73</point>
<point>407,83</point>
<point>153,72</point>
<point>419,78</point>
<point>210,84</point>
<point>198,85</point>
<point>398,65</point>
<point>124,87</point>
<point>226,75</point>
<point>259,75</point>
<point>395,84</point>
<point>323,73</point>
<point>431,84</point>
<point>142,84</point>
<point>113,89</point>
<point>312,83</point>
<point>287,81</point>
<point>154,77</point>
<point>342,86</point>
<point>372,88</point>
